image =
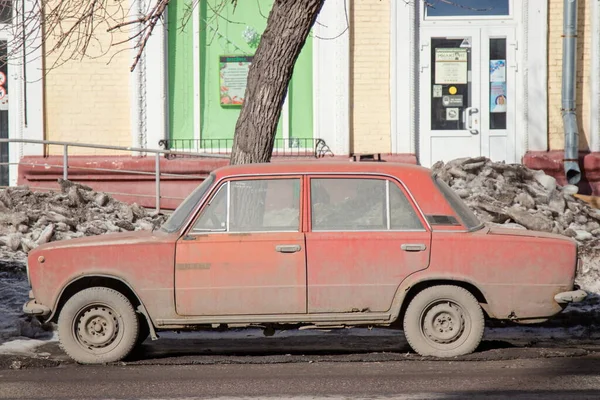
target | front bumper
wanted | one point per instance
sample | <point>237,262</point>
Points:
<point>574,296</point>
<point>33,308</point>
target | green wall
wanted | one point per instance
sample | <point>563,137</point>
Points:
<point>181,73</point>
<point>221,33</point>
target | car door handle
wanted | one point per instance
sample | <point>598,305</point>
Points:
<point>413,247</point>
<point>288,248</point>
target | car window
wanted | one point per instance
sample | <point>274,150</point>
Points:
<point>468,217</point>
<point>182,213</point>
<point>402,213</point>
<point>360,204</point>
<point>254,205</point>
<point>214,215</point>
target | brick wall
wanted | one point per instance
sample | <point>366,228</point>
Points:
<point>555,30</point>
<point>88,101</point>
<point>370,77</point>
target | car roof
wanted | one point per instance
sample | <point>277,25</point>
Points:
<point>303,167</point>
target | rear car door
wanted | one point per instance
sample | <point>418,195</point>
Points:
<point>245,253</point>
<point>365,236</point>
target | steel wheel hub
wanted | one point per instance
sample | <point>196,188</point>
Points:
<point>97,327</point>
<point>443,323</point>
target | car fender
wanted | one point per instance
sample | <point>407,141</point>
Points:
<point>424,277</point>
<point>140,308</point>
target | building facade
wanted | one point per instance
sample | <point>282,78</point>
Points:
<point>415,81</point>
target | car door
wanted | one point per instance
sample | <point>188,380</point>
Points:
<point>365,236</point>
<point>244,253</point>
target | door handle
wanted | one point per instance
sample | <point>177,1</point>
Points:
<point>413,247</point>
<point>288,248</point>
<point>469,120</point>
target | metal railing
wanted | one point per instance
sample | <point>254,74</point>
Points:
<point>288,147</point>
<point>141,153</point>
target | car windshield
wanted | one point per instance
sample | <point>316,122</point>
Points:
<point>180,215</point>
<point>466,215</point>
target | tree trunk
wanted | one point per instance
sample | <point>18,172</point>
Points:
<point>288,26</point>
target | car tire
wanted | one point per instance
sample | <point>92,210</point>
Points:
<point>98,325</point>
<point>444,321</point>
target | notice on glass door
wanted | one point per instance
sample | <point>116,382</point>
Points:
<point>451,66</point>
<point>498,97</point>
<point>497,70</point>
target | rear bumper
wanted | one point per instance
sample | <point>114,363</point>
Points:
<point>574,296</point>
<point>35,309</point>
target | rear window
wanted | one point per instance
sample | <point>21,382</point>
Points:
<point>466,215</point>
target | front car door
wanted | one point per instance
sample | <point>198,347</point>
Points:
<point>365,237</point>
<point>244,254</point>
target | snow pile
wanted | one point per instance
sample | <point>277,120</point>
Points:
<point>29,219</point>
<point>13,294</point>
<point>516,196</point>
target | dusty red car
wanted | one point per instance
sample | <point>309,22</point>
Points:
<point>331,244</point>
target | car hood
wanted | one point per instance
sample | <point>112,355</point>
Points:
<point>526,233</point>
<point>111,239</point>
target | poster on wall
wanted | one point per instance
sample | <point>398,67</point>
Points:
<point>451,66</point>
<point>497,70</point>
<point>498,97</point>
<point>233,75</point>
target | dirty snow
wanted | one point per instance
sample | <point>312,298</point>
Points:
<point>29,219</point>
<point>515,196</point>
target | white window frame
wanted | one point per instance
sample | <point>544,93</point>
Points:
<point>16,72</point>
<point>470,18</point>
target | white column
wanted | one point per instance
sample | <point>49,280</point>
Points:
<point>331,76</point>
<point>595,81</point>
<point>136,84</point>
<point>157,77</point>
<point>26,96</point>
<point>403,56</point>
<point>535,113</point>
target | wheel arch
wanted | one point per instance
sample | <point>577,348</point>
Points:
<point>413,289</point>
<point>109,281</point>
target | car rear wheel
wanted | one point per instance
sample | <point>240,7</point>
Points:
<point>98,325</point>
<point>444,321</point>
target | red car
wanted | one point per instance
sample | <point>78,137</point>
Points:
<point>329,244</point>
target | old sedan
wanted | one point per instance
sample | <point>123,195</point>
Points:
<point>321,244</point>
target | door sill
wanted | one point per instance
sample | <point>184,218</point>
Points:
<point>345,318</point>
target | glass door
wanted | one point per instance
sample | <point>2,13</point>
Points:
<point>450,94</point>
<point>498,56</point>
<point>467,94</point>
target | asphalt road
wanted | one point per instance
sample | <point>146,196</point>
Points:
<point>541,378</point>
<point>323,366</point>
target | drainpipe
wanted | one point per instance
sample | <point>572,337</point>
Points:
<point>569,74</point>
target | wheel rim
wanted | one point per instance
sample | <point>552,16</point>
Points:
<point>98,328</point>
<point>445,324</point>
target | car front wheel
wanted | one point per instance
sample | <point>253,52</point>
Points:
<point>98,325</point>
<point>444,321</point>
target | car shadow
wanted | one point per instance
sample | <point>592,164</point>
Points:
<point>278,349</point>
